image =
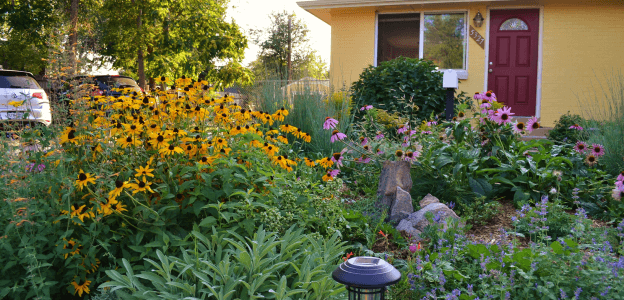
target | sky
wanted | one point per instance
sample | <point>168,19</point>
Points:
<point>254,14</point>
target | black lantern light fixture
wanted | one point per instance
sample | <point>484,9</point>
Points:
<point>366,277</point>
<point>478,19</point>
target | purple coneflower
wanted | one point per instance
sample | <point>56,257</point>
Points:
<point>330,123</point>
<point>503,115</point>
<point>518,127</point>
<point>367,107</point>
<point>363,159</point>
<point>620,177</point>
<point>403,128</point>
<point>597,150</point>
<point>337,136</point>
<point>337,158</point>
<point>379,135</point>
<point>576,126</point>
<point>426,132</point>
<point>532,124</point>
<point>580,147</point>
<point>363,141</point>
<point>334,173</point>
<point>591,160</point>
<point>431,123</point>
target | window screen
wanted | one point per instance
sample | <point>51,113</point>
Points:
<point>445,36</point>
<point>397,35</point>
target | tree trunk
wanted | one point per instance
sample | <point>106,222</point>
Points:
<point>140,62</point>
<point>73,36</point>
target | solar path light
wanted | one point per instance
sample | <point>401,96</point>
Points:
<point>366,277</point>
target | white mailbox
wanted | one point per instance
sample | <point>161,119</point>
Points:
<point>450,81</point>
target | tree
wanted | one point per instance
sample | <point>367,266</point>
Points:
<point>444,40</point>
<point>272,61</point>
<point>172,38</point>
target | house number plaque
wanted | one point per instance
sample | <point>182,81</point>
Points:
<point>477,37</point>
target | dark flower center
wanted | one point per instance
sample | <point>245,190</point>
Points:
<point>591,158</point>
<point>162,78</point>
<point>204,159</point>
<point>189,148</point>
<point>133,127</point>
<point>71,135</point>
<point>129,139</point>
<point>399,153</point>
<point>160,138</point>
<point>335,132</point>
<point>141,184</point>
<point>504,117</point>
<point>520,126</point>
<point>337,156</point>
<point>535,125</point>
<point>118,184</point>
<point>82,177</point>
<point>171,147</point>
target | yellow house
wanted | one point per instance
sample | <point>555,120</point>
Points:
<point>538,56</point>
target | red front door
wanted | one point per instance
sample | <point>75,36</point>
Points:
<point>512,66</point>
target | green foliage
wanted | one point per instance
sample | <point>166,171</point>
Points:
<point>229,266</point>
<point>605,119</point>
<point>406,86</point>
<point>480,211</point>
<point>562,132</point>
<point>444,40</point>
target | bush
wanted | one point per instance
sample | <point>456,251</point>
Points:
<point>404,85</point>
<point>562,132</point>
<point>229,266</point>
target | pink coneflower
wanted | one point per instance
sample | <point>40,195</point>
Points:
<point>431,123</point>
<point>363,159</point>
<point>379,152</point>
<point>412,132</point>
<point>411,156</point>
<point>363,141</point>
<point>478,96</point>
<point>580,147</point>
<point>503,115</point>
<point>337,136</point>
<point>337,158</point>
<point>426,132</point>
<point>485,105</point>
<point>597,150</point>
<point>379,135</point>
<point>591,160</point>
<point>367,107</point>
<point>333,173</point>
<point>620,177</point>
<point>330,123</point>
<point>402,128</point>
<point>489,96</point>
<point>576,126</point>
<point>519,127</point>
<point>532,124</point>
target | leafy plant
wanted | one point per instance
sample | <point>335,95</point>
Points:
<point>562,131</point>
<point>408,86</point>
<point>229,266</point>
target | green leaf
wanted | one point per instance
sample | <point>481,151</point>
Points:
<point>557,248</point>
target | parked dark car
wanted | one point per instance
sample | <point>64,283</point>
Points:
<point>105,84</point>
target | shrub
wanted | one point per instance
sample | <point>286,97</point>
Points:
<point>562,131</point>
<point>229,266</point>
<point>404,85</point>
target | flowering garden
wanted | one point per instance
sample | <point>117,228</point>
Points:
<point>184,193</point>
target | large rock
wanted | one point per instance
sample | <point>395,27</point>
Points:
<point>393,174</point>
<point>408,227</point>
<point>428,200</point>
<point>401,205</point>
<point>419,221</point>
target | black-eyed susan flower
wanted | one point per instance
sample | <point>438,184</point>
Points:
<point>81,288</point>
<point>278,116</point>
<point>237,130</point>
<point>144,171</point>
<point>207,160</point>
<point>325,162</point>
<point>309,162</point>
<point>161,79</point>
<point>81,212</point>
<point>306,137</point>
<point>171,149</point>
<point>220,143</point>
<point>72,246</point>
<point>158,141</point>
<point>128,141</point>
<point>84,179</point>
<point>133,129</point>
<point>189,149</point>
<point>281,161</point>
<point>69,136</point>
<point>282,139</point>
<point>140,186</point>
<point>287,128</point>
<point>270,150</point>
<point>283,111</point>
<point>225,151</point>
<point>117,206</point>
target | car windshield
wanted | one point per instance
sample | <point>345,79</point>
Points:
<point>18,82</point>
<point>120,82</point>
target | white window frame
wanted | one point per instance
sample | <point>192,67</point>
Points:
<point>461,73</point>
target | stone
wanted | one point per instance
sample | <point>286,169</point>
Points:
<point>393,174</point>
<point>401,205</point>
<point>419,221</point>
<point>407,226</point>
<point>428,200</point>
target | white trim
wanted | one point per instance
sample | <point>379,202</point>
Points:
<point>461,73</point>
<point>320,4</point>
<point>540,47</point>
<point>376,37</point>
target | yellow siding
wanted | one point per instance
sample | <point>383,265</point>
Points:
<point>578,40</point>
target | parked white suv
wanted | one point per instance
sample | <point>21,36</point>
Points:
<point>22,100</point>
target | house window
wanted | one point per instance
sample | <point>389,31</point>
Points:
<point>398,35</point>
<point>439,37</point>
<point>445,40</point>
<point>514,24</point>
